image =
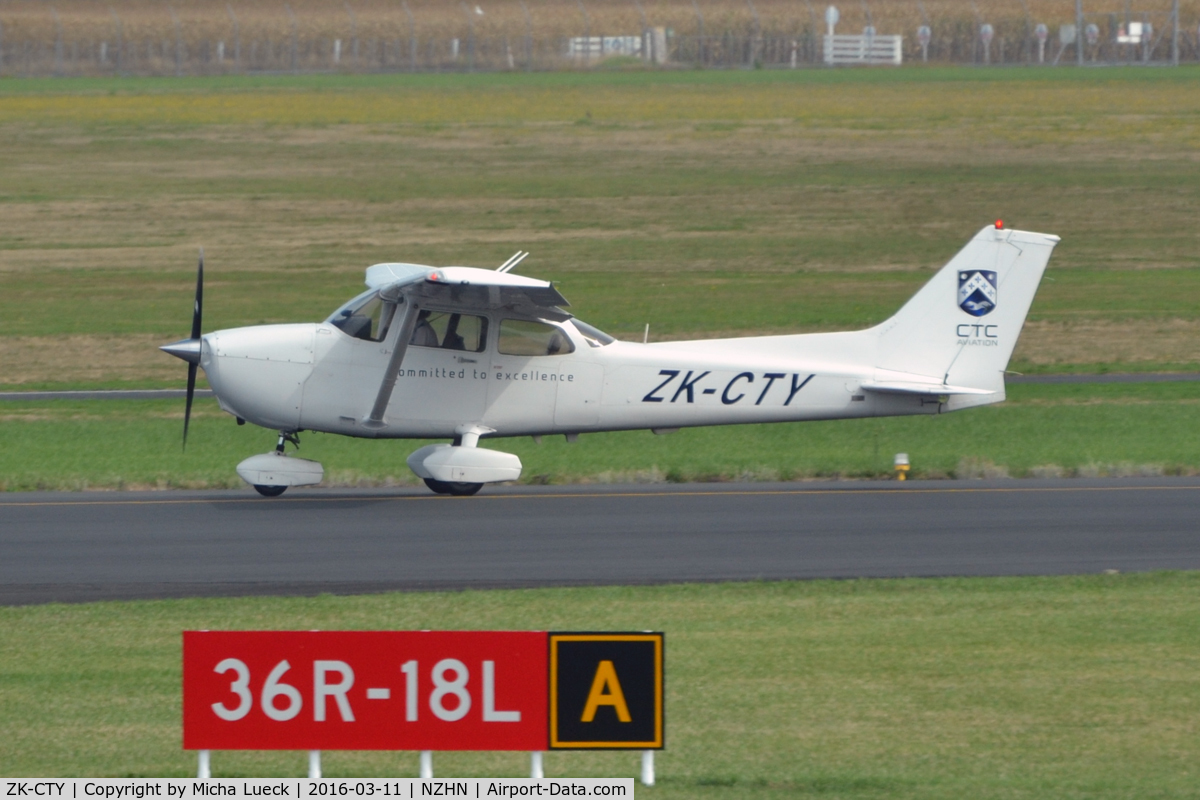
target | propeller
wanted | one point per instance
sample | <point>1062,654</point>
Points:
<point>189,349</point>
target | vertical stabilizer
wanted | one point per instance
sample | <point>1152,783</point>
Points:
<point>962,326</point>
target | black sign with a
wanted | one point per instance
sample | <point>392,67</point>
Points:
<point>606,690</point>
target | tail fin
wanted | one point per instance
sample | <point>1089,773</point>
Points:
<point>961,327</point>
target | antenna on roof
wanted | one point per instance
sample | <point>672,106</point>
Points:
<point>517,258</point>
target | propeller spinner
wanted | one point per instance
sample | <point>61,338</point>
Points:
<point>189,349</point>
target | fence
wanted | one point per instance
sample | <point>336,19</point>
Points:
<point>207,37</point>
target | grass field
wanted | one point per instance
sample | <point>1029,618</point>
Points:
<point>1113,429</point>
<point>1078,687</point>
<point>704,203</point>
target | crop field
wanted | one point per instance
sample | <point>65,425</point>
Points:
<point>213,37</point>
<point>1080,687</point>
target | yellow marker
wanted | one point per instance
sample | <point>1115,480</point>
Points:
<point>606,691</point>
<point>901,465</point>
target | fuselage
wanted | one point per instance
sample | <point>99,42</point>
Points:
<point>317,376</point>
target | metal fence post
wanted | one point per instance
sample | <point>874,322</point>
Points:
<point>470,37</point>
<point>587,32</point>
<point>642,17</point>
<point>237,39</point>
<point>700,29</point>
<point>412,37</point>
<point>528,37</point>
<point>1079,33</point>
<point>58,43</point>
<point>178,43</point>
<point>812,31</point>
<point>292,21</point>
<point>353,33</point>
<point>1027,37</point>
<point>120,39</point>
<point>1175,33</point>
<point>756,41</point>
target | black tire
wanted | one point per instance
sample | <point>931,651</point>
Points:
<point>452,487</point>
<point>270,491</point>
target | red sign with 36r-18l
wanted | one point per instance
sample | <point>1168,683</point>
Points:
<point>364,690</point>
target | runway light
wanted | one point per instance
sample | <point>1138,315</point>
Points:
<point>901,466</point>
<point>999,224</point>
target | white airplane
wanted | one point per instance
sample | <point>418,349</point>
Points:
<point>464,354</point>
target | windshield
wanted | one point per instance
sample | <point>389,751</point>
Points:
<point>364,317</point>
<point>594,336</point>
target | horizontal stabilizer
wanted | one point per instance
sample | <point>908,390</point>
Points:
<point>912,387</point>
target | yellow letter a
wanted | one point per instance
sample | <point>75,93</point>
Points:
<point>606,691</point>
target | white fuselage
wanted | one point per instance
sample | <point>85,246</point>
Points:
<point>317,377</point>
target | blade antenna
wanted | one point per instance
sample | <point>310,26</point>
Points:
<point>517,258</point>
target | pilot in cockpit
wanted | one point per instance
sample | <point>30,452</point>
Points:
<point>424,335</point>
<point>453,340</point>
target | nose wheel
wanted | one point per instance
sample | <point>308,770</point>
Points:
<point>269,490</point>
<point>455,488</point>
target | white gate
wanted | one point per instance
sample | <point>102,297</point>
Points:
<point>841,49</point>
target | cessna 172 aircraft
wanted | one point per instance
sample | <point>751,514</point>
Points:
<point>463,353</point>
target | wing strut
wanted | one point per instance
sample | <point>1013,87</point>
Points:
<point>407,326</point>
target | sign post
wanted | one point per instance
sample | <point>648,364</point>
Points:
<point>423,691</point>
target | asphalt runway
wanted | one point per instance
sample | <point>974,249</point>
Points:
<point>93,546</point>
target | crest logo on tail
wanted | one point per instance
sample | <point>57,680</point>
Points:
<point>977,292</point>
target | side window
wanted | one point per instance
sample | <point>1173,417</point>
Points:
<point>519,337</point>
<point>450,331</point>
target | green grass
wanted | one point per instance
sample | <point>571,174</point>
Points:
<point>1076,687</point>
<point>1111,429</point>
<point>703,202</point>
<point>623,77</point>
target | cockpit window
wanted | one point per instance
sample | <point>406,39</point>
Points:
<point>594,336</point>
<point>450,331</point>
<point>520,337</point>
<point>365,317</point>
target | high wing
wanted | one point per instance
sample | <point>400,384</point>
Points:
<point>468,288</point>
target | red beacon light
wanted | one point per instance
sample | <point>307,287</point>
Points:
<point>999,224</point>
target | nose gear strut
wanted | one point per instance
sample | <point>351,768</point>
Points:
<point>287,436</point>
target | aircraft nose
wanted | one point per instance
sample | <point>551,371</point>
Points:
<point>186,349</point>
<point>258,373</point>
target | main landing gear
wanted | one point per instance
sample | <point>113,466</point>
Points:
<point>463,468</point>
